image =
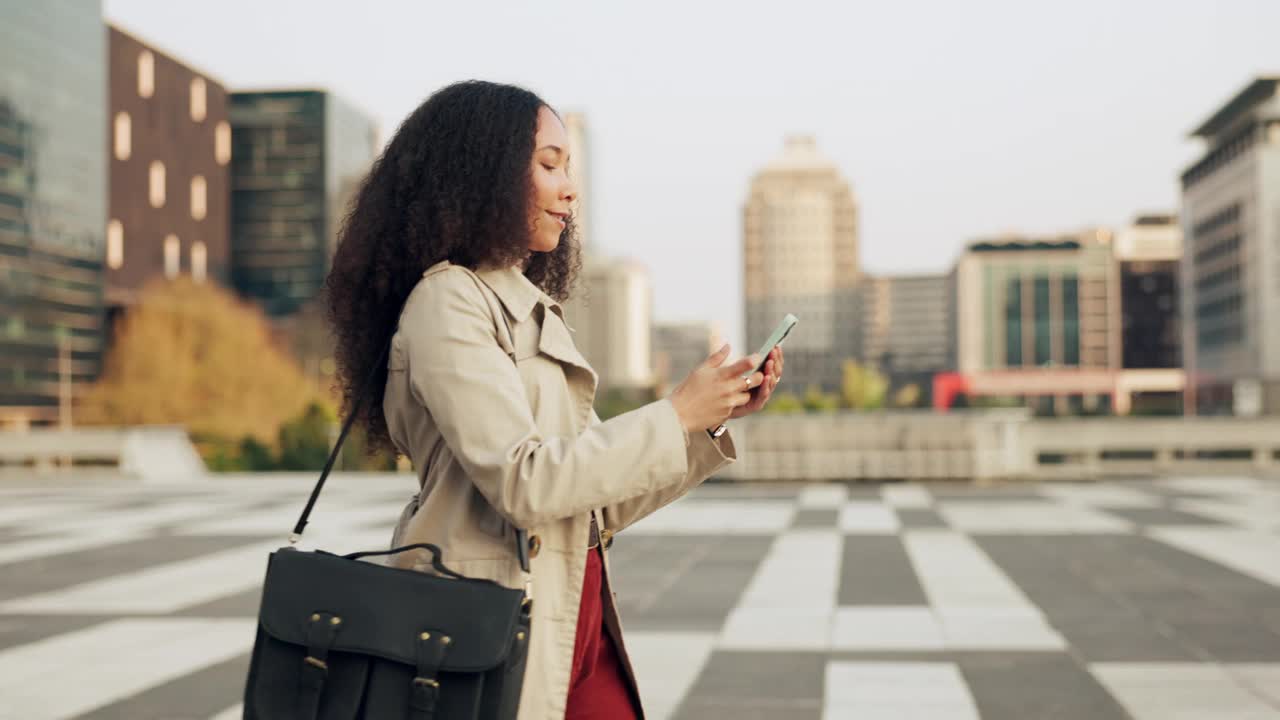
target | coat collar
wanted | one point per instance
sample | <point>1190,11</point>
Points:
<point>517,292</point>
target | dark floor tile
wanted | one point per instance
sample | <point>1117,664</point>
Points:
<point>196,696</point>
<point>920,518</point>
<point>53,572</point>
<point>1046,686</point>
<point>876,570</point>
<point>813,517</point>
<point>769,684</point>
<point>23,629</point>
<point>683,582</point>
<point>1160,516</point>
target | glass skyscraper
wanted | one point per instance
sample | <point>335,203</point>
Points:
<point>53,196</point>
<point>298,157</point>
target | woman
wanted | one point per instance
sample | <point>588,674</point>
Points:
<point>458,250</point>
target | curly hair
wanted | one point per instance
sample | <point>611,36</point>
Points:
<point>453,184</point>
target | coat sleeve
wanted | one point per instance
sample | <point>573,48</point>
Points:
<point>475,396</point>
<point>703,458</point>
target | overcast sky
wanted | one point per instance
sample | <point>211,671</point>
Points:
<point>950,119</point>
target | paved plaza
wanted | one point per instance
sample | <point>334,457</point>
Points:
<point>1136,599</point>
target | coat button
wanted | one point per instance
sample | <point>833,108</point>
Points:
<point>535,544</point>
<point>606,538</point>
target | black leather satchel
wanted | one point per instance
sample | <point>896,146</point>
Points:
<point>342,638</point>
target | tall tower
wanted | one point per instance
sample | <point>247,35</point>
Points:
<point>800,252</point>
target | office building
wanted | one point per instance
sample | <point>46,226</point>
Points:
<point>1040,321</point>
<point>1230,271</point>
<point>800,255</point>
<point>904,329</point>
<point>679,348</point>
<point>169,158</point>
<point>53,206</point>
<point>613,333</point>
<point>297,158</point>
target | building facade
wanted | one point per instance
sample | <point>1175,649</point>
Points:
<point>904,328</point>
<point>1230,271</point>
<point>53,206</point>
<point>1040,321</point>
<point>612,327</point>
<point>297,158</point>
<point>800,254</point>
<point>169,158</point>
<point>679,348</point>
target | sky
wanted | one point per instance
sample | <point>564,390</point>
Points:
<point>951,120</point>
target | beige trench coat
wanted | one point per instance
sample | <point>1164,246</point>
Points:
<point>499,444</point>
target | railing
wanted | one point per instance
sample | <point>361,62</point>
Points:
<point>995,445</point>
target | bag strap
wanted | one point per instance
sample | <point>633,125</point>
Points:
<point>522,536</point>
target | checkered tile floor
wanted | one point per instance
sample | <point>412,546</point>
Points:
<point>1139,599</point>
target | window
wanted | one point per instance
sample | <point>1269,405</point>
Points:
<point>1070,320</point>
<point>1040,290</point>
<point>199,208</point>
<point>199,261</point>
<point>157,184</point>
<point>172,255</point>
<point>222,143</point>
<point>197,99</point>
<point>115,245</point>
<point>1013,323</point>
<point>124,136</point>
<point>146,74</point>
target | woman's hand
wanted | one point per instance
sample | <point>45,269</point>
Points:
<point>712,394</point>
<point>764,390</point>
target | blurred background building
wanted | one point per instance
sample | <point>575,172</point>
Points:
<point>1231,270</point>
<point>678,348</point>
<point>612,305</point>
<point>53,206</point>
<point>904,328</point>
<point>800,256</point>
<point>170,151</point>
<point>1069,324</point>
<point>297,158</point>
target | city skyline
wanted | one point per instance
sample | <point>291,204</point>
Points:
<point>1082,130</point>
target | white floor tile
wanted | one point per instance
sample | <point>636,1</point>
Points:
<point>666,665</point>
<point>826,496</point>
<point>1181,691</point>
<point>870,517</point>
<point>899,628</point>
<point>1018,517</point>
<point>718,517</point>
<point>118,658</point>
<point>1253,553</point>
<point>885,691</point>
<point>906,496</point>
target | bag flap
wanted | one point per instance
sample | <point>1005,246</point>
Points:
<point>384,609</point>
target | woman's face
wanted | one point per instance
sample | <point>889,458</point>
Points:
<point>553,191</point>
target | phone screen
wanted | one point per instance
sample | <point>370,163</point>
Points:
<point>779,334</point>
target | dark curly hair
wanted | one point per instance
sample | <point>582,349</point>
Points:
<point>453,184</point>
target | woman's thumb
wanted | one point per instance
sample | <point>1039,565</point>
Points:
<point>717,358</point>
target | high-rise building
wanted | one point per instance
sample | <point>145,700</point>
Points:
<point>1149,252</point>
<point>1230,271</point>
<point>903,327</point>
<point>678,348</point>
<point>613,335</point>
<point>170,154</point>
<point>297,159</point>
<point>53,206</point>
<point>611,308</point>
<point>575,124</point>
<point>800,254</point>
<point>1039,320</point>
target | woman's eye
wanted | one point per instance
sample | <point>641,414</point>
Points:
<point>551,168</point>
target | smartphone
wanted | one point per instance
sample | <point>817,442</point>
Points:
<point>779,334</point>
